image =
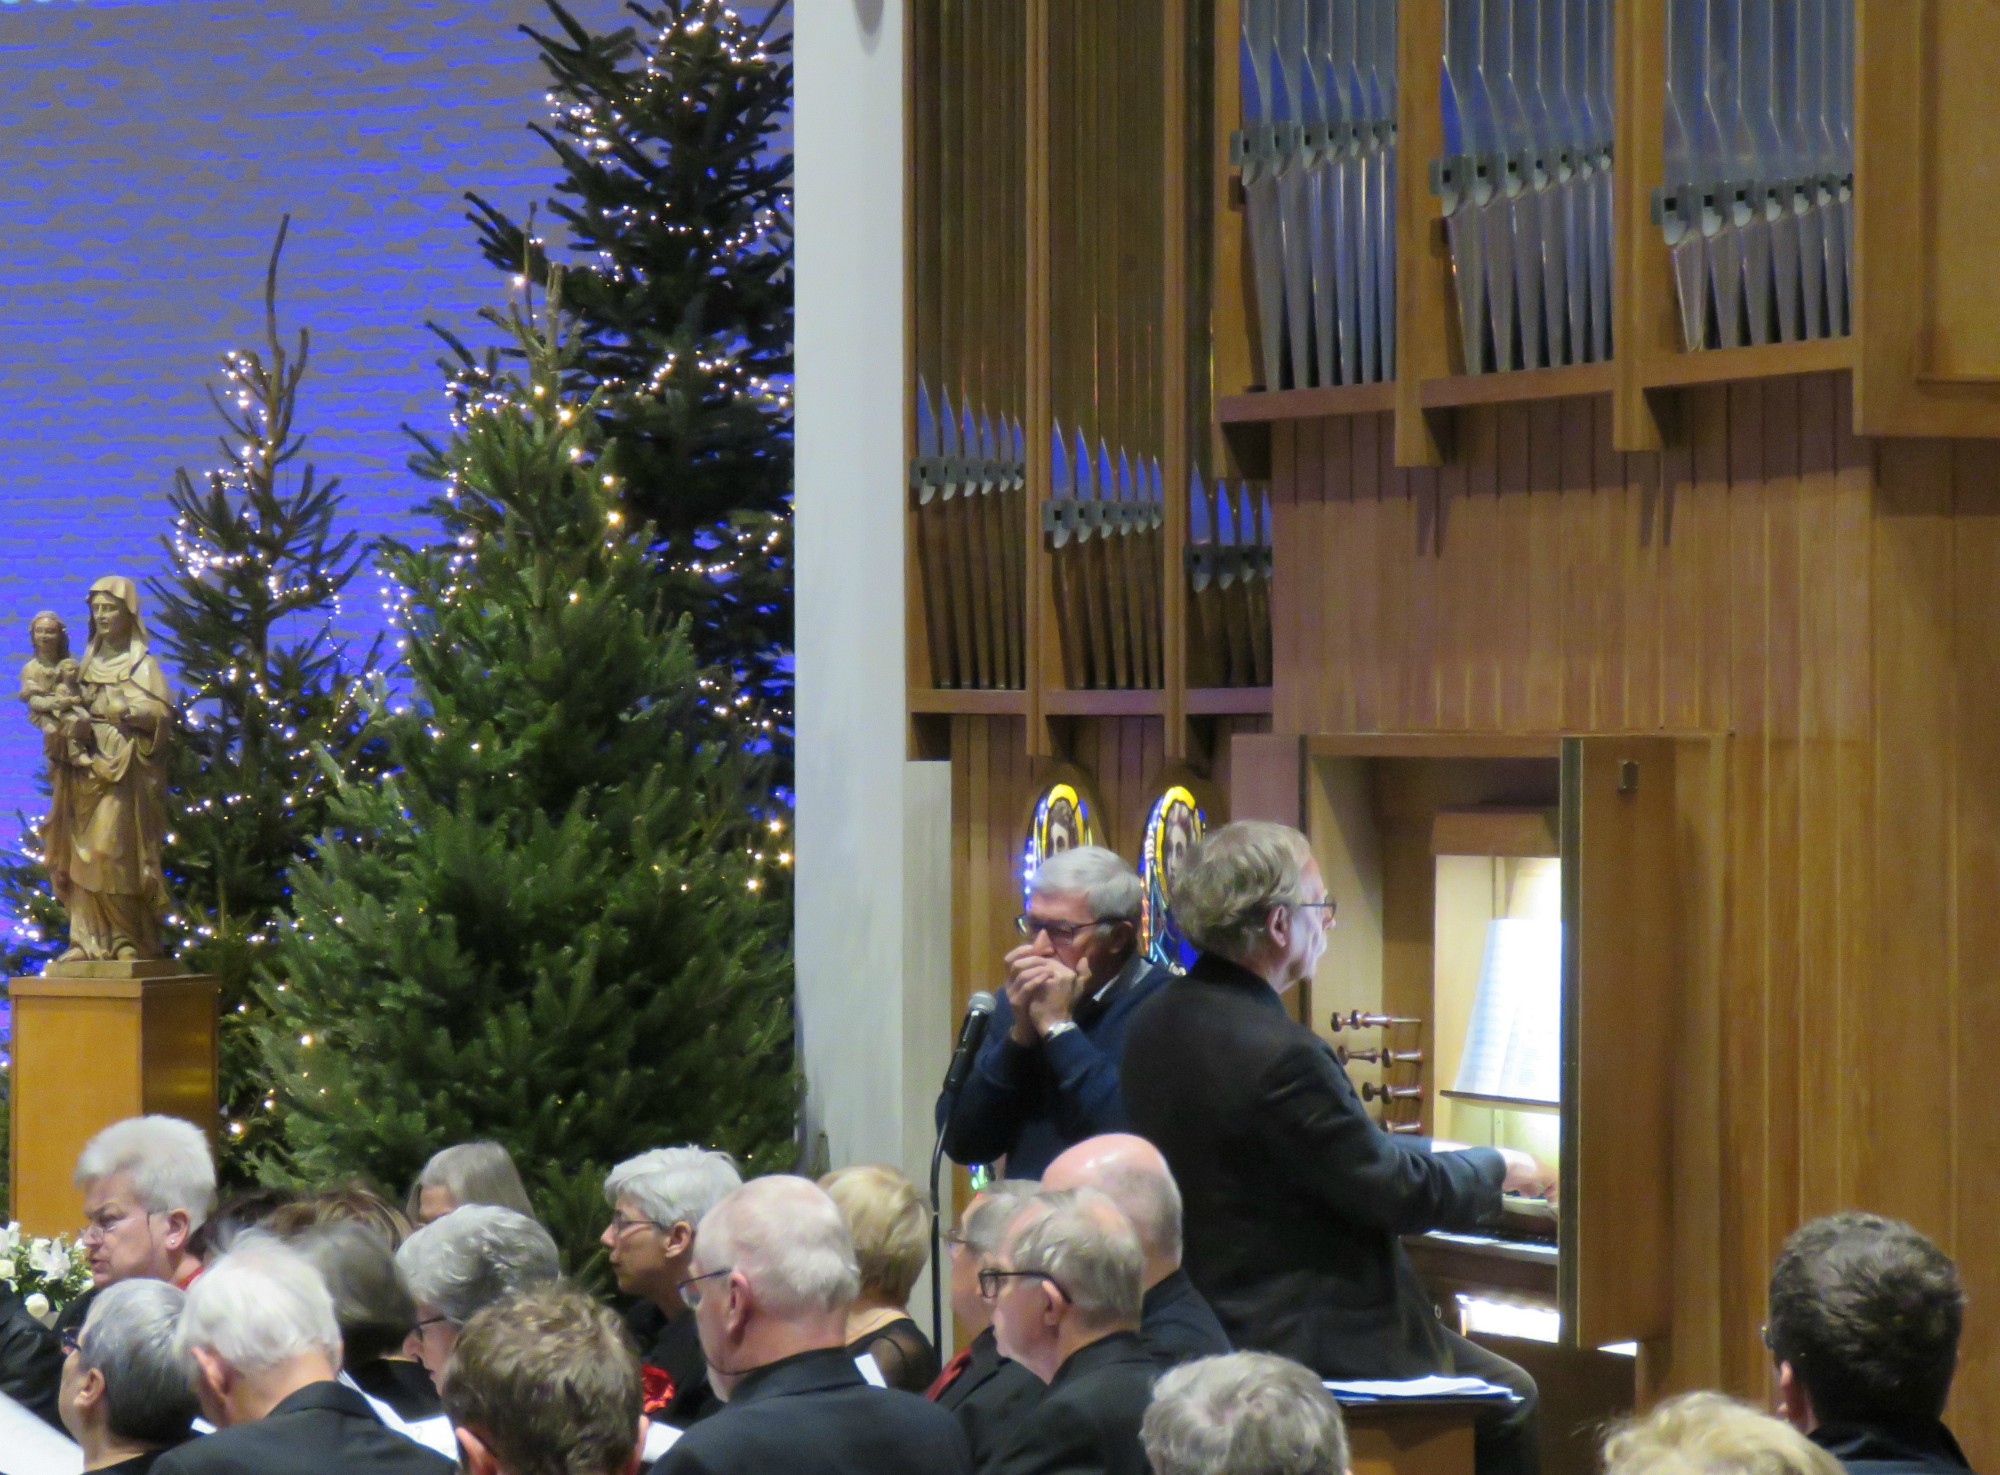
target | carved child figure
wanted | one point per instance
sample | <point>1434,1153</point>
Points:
<point>50,687</point>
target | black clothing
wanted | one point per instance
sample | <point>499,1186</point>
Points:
<point>1088,1421</point>
<point>674,1347</point>
<point>1294,1197</point>
<point>1027,1103</point>
<point>323,1429</point>
<point>31,1359</point>
<point>137,1465</point>
<point>903,1354</point>
<point>1922,1448</point>
<point>404,1385</point>
<point>814,1414</point>
<point>1177,1326</point>
<point>1296,1200</point>
<point>989,1398</point>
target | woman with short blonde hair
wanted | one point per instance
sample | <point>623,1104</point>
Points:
<point>1712,1434</point>
<point>890,1227</point>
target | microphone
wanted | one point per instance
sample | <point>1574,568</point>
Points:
<point>978,1015</point>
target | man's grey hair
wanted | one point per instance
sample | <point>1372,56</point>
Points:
<point>1231,880</point>
<point>1103,878</point>
<point>787,1238</point>
<point>992,1210</point>
<point>1247,1413</point>
<point>259,1307</point>
<point>370,1301</point>
<point>1080,1240</point>
<point>129,1338</point>
<point>674,1185</point>
<point>472,1173</point>
<point>167,1158</point>
<point>473,1256</point>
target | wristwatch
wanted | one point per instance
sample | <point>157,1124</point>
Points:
<point>1060,1027</point>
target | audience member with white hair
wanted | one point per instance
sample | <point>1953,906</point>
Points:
<point>546,1383</point>
<point>1248,1413</point>
<point>773,1275</point>
<point>657,1201</point>
<point>1176,1323</point>
<point>457,1266</point>
<point>1047,1075</point>
<point>985,1392</point>
<point>125,1391</point>
<point>1712,1434</point>
<point>1297,1199</point>
<point>467,1173</point>
<point>1066,1297</point>
<point>259,1330</point>
<point>148,1183</point>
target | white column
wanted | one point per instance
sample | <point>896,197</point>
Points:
<point>873,843</point>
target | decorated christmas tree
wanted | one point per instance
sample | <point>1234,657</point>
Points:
<point>269,697</point>
<point>675,203</point>
<point>548,924</point>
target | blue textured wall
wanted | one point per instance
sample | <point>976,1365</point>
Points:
<point>147,151</point>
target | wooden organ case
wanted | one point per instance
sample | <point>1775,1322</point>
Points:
<point>1694,626</point>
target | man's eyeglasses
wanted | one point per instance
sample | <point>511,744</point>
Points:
<point>432,1321</point>
<point>1325,907</point>
<point>690,1294</point>
<point>992,1282</point>
<point>1060,933</point>
<point>620,1224</point>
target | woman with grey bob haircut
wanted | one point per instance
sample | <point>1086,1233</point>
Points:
<point>468,1173</point>
<point>1248,1413</point>
<point>128,1387</point>
<point>1229,884</point>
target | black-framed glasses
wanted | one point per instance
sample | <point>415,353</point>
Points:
<point>72,1340</point>
<point>432,1321</point>
<point>1061,933</point>
<point>688,1292</point>
<point>992,1282</point>
<point>1326,906</point>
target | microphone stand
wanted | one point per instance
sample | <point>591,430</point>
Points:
<point>937,1232</point>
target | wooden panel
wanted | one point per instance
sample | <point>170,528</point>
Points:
<point>1618,1042</point>
<point>1926,214</point>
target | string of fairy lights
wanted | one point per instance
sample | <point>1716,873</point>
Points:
<point>257,452</point>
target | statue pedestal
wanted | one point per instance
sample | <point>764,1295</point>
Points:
<point>94,1043</point>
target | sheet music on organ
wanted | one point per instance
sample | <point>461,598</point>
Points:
<point>1512,1042</point>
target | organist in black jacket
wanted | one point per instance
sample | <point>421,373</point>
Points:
<point>1295,1199</point>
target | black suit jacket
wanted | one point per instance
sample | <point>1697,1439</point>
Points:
<point>323,1429</point>
<point>814,1414</point>
<point>31,1360</point>
<point>1088,1421</point>
<point>989,1398</point>
<point>1295,1199</point>
<point>1178,1326</point>
<point>1922,1447</point>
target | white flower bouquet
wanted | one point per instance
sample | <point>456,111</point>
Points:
<point>46,1273</point>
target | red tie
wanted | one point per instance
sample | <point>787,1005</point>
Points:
<point>949,1376</point>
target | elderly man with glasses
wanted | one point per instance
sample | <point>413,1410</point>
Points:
<point>657,1199</point>
<point>1047,1075</point>
<point>1296,1200</point>
<point>463,1263</point>
<point>1066,1298</point>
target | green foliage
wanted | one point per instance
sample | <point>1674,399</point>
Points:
<point>245,620</point>
<point>675,198</point>
<point>559,921</point>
